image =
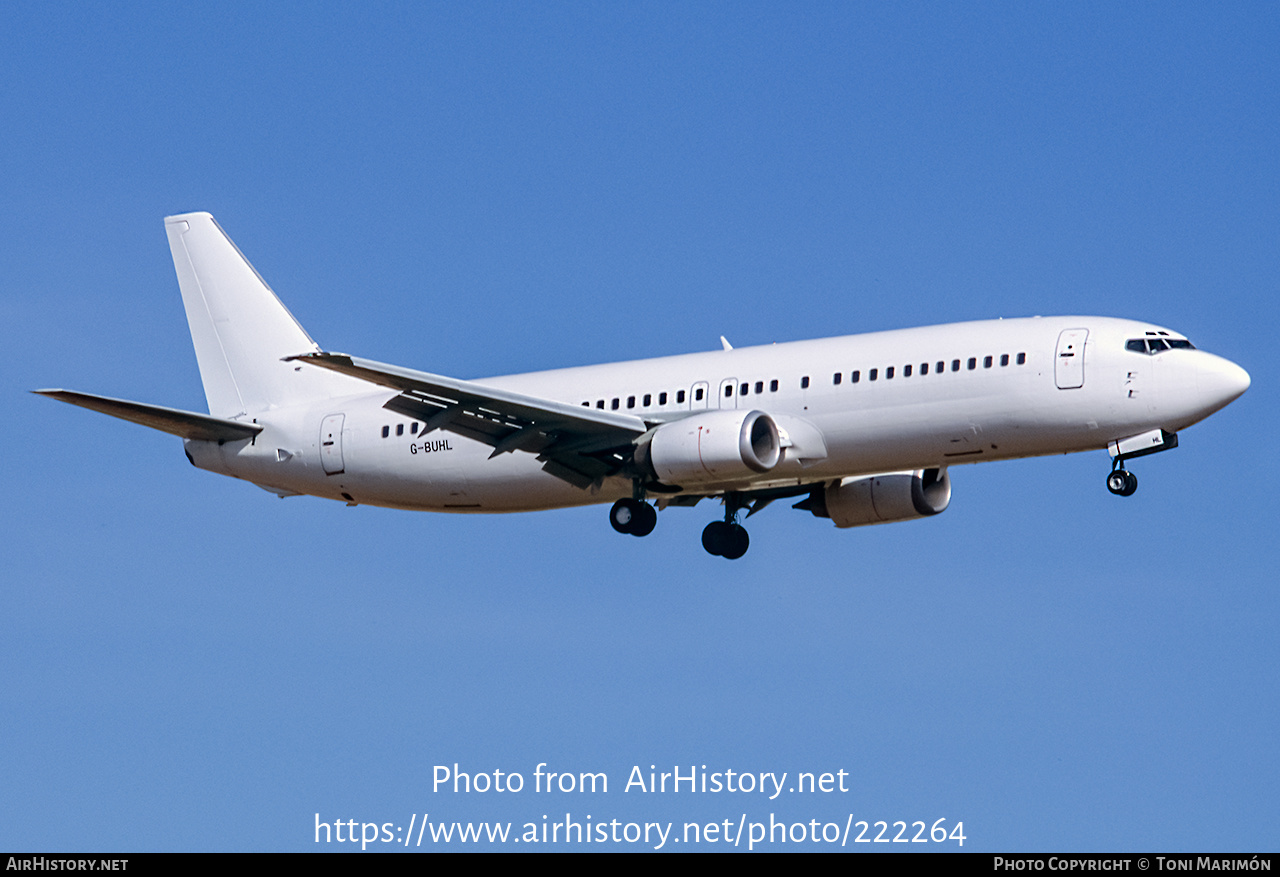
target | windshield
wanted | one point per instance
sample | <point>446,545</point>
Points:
<point>1153,345</point>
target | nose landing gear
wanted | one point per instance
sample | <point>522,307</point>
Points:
<point>1122,482</point>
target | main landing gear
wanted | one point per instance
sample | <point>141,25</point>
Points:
<point>727,538</point>
<point>634,516</point>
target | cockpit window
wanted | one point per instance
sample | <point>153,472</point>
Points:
<point>1152,346</point>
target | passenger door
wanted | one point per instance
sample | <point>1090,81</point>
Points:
<point>1068,365</point>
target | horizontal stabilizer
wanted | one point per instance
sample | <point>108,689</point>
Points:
<point>186,424</point>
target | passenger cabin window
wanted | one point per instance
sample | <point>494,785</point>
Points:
<point>986,362</point>
<point>873,374</point>
<point>399,429</point>
<point>648,400</point>
<point>955,365</point>
<point>1004,359</point>
<point>906,371</point>
<point>773,386</point>
<point>386,431</point>
<point>679,397</point>
<point>888,373</point>
<point>1022,359</point>
<point>804,382</point>
<point>662,398</point>
<point>697,395</point>
<point>855,377</point>
<point>835,378</point>
<point>759,387</point>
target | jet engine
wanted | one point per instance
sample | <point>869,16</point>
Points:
<point>712,447</point>
<point>880,499</point>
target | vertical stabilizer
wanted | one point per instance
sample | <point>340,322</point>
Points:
<point>240,330</point>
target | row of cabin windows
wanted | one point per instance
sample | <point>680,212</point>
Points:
<point>746,387</point>
<point>699,394</point>
<point>413,429</point>
<point>907,370</point>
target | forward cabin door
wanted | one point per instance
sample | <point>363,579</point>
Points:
<point>1068,365</point>
<point>331,444</point>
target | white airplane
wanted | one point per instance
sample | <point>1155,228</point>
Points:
<point>862,427</point>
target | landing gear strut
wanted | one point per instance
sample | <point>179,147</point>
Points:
<point>1121,481</point>
<point>727,538</point>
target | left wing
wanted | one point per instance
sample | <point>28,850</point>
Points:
<point>579,445</point>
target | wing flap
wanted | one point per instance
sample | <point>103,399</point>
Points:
<point>186,424</point>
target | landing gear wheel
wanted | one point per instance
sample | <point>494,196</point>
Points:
<point>1130,484</point>
<point>1122,482</point>
<point>722,539</point>
<point>633,516</point>
<point>646,518</point>
<point>715,537</point>
<point>1117,481</point>
<point>738,542</point>
<point>623,514</point>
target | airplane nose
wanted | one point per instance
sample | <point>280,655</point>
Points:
<point>1221,381</point>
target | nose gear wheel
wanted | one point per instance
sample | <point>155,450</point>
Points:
<point>1122,482</point>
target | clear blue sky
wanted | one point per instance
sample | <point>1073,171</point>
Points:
<point>190,663</point>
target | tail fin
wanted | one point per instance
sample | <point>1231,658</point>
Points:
<point>240,330</point>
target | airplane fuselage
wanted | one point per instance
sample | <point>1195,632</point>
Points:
<point>905,399</point>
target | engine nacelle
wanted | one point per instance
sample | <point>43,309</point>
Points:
<point>712,447</point>
<point>880,499</point>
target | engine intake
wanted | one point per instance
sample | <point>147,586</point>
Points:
<point>712,447</point>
